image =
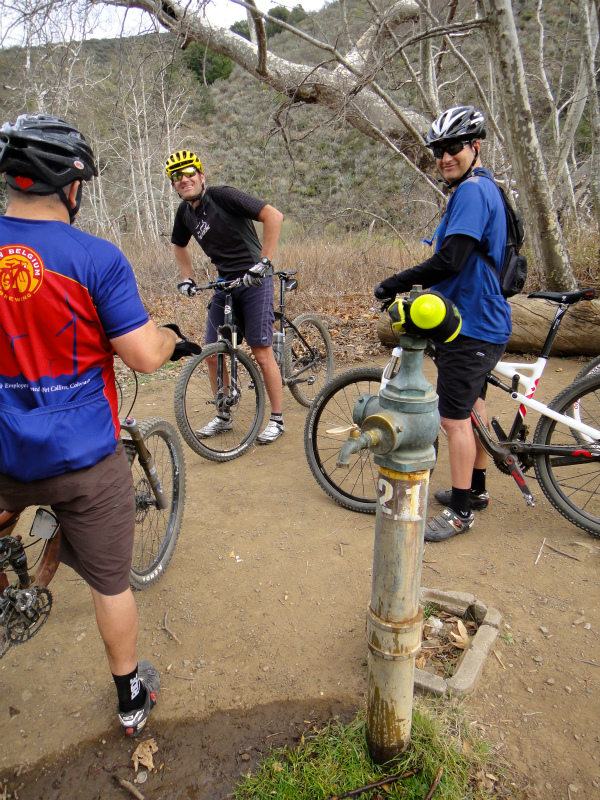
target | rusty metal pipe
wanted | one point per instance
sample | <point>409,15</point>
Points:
<point>394,616</point>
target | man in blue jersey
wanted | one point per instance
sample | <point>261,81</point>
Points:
<point>474,224</point>
<point>68,303</point>
<point>220,219</point>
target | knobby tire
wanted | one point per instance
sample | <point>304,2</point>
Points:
<point>314,363</point>
<point>156,530</point>
<point>572,485</point>
<point>195,405</point>
<point>354,488</point>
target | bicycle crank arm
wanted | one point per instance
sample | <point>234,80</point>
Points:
<point>517,473</point>
<point>500,452</point>
<point>146,461</point>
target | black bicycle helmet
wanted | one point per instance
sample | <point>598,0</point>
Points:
<point>460,122</point>
<point>40,154</point>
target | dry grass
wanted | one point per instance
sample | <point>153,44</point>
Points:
<point>336,280</point>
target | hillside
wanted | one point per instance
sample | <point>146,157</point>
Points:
<point>136,99</point>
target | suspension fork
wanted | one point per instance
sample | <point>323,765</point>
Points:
<point>147,461</point>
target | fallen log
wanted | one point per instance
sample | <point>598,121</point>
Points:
<point>578,335</point>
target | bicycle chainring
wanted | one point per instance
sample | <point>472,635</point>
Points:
<point>525,461</point>
<point>29,611</point>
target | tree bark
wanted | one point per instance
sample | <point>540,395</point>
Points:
<point>578,335</point>
<point>532,179</point>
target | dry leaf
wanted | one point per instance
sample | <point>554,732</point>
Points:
<point>466,746</point>
<point>143,754</point>
<point>461,638</point>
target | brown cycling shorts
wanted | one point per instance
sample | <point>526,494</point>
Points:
<point>96,510</point>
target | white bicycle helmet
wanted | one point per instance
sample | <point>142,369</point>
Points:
<point>459,122</point>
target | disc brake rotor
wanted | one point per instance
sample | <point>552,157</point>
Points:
<point>30,609</point>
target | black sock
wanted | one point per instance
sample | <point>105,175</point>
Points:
<point>130,691</point>
<point>278,418</point>
<point>459,502</point>
<point>478,481</point>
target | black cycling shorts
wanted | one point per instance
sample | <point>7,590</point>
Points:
<point>462,366</point>
<point>254,310</point>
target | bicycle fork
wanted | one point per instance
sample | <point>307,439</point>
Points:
<point>147,462</point>
<point>502,452</point>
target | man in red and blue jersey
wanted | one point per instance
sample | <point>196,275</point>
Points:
<point>68,303</point>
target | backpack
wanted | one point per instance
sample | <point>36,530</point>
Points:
<point>514,269</point>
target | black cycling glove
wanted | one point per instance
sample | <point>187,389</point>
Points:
<point>184,347</point>
<point>187,288</point>
<point>390,287</point>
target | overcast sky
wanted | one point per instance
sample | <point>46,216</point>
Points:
<point>220,12</point>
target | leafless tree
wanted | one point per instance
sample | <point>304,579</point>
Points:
<point>389,74</point>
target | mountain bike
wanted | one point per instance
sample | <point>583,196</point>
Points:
<point>155,454</point>
<point>565,450</point>
<point>303,351</point>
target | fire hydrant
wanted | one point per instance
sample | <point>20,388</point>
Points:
<point>400,426</point>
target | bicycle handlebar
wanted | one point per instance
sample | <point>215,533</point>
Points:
<point>233,284</point>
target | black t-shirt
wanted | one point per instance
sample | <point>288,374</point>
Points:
<point>222,226</point>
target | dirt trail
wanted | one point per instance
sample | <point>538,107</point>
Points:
<point>274,638</point>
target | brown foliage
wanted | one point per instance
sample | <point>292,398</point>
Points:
<point>336,281</point>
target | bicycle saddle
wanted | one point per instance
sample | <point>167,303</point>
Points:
<point>565,297</point>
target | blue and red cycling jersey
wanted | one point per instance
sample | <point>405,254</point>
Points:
<point>63,295</point>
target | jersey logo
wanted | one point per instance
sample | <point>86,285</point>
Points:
<point>202,228</point>
<point>21,272</point>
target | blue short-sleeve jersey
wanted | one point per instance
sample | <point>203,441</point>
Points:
<point>63,295</point>
<point>476,209</point>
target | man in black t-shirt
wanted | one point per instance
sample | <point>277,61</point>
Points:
<point>220,218</point>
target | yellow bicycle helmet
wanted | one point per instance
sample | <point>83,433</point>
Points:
<point>181,159</point>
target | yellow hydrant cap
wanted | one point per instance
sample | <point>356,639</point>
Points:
<point>428,311</point>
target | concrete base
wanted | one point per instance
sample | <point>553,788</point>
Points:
<point>466,606</point>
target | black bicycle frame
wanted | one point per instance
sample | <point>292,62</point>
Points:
<point>224,400</point>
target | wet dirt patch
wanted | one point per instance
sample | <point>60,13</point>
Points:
<point>195,759</point>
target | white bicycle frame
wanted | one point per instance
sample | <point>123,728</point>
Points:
<point>509,369</point>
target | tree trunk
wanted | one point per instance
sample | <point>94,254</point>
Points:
<point>578,335</point>
<point>531,174</point>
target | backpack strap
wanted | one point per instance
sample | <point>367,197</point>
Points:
<point>480,173</point>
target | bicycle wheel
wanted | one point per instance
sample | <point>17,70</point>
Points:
<point>156,530</point>
<point>572,483</point>
<point>591,368</point>
<point>308,357</point>
<point>196,406</point>
<point>354,488</point>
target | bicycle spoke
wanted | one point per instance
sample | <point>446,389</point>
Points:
<point>156,529</point>
<point>353,487</point>
<point>572,484</point>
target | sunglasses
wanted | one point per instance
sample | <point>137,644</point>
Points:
<point>187,172</point>
<point>452,149</point>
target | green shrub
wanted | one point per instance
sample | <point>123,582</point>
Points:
<point>206,65</point>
